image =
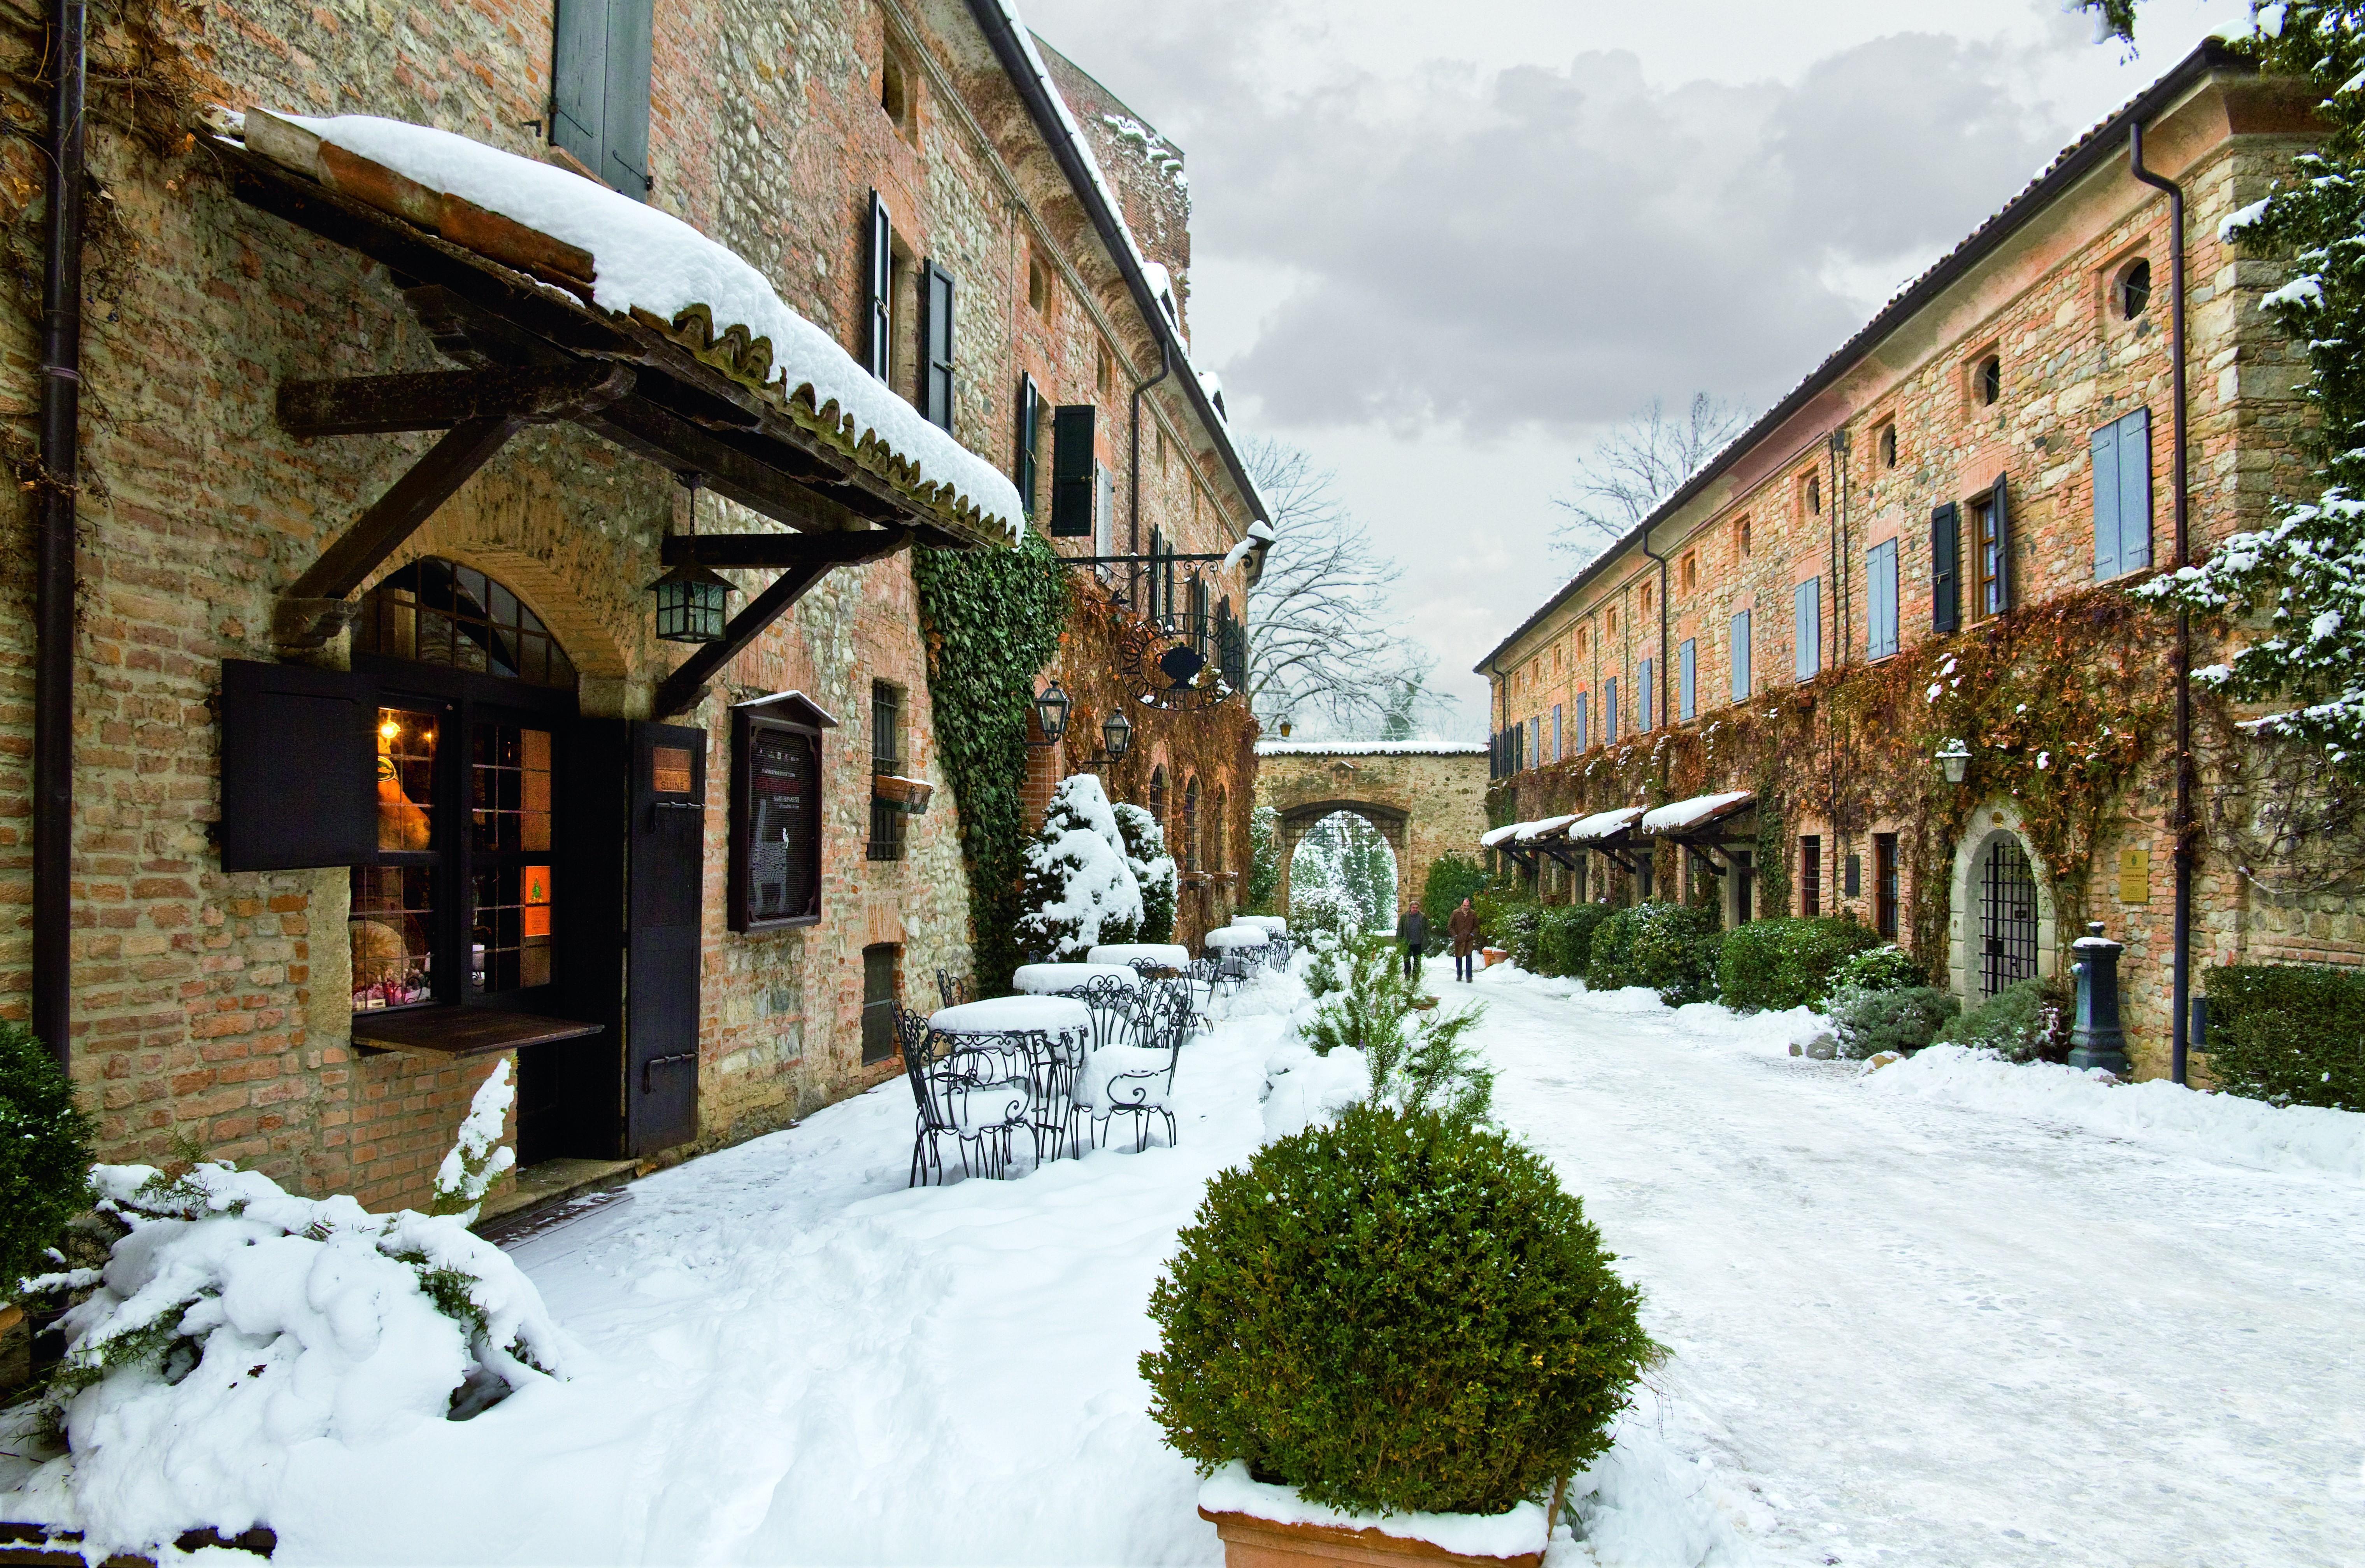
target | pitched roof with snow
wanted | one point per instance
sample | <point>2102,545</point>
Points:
<point>2073,164</point>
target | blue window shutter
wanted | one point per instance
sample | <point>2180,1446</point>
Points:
<point>878,288</point>
<point>1644,686</point>
<point>578,79</point>
<point>1945,569</point>
<point>2105,445</point>
<point>1609,711</point>
<point>1556,737</point>
<point>631,25</point>
<point>2134,491</point>
<point>1687,672</point>
<point>1741,657</point>
<point>936,345</point>
<point>1880,600</point>
<point>1807,620</point>
<point>1580,721</point>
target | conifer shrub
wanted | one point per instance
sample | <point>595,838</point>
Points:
<point>2289,1034</point>
<point>1393,1313</point>
<point>1080,890</point>
<point>44,1155</point>
<point>1866,1022</point>
<point>2028,1021</point>
<point>1153,869</point>
<point>1522,923</point>
<point>1669,947</point>
<point>1565,937</point>
<point>1787,962</point>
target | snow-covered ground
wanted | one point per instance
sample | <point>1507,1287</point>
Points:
<point>1945,1313</point>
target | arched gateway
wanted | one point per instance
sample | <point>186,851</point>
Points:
<point>1425,798</point>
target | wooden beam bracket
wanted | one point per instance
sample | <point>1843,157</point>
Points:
<point>680,692</point>
<point>440,399</point>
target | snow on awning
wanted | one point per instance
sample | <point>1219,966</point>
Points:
<point>1494,839</point>
<point>1543,827</point>
<point>654,268</point>
<point>1603,824</point>
<point>1679,816</point>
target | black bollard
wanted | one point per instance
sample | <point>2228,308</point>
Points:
<point>2097,1040</point>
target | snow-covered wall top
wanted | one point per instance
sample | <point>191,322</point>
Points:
<point>656,262</point>
<point>1370,748</point>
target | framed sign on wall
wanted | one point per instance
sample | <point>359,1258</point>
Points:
<point>776,822</point>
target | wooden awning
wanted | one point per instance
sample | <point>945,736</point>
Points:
<point>1702,824</point>
<point>512,309</point>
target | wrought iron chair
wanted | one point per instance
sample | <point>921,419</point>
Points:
<point>1155,973</point>
<point>955,991</point>
<point>1205,976</point>
<point>1137,1080</point>
<point>1114,1007</point>
<point>970,1091</point>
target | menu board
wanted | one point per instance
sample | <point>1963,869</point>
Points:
<point>779,808</point>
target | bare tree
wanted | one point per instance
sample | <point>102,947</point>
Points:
<point>1324,642</point>
<point>1637,465</point>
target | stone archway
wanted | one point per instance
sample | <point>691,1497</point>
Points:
<point>1424,798</point>
<point>1996,824</point>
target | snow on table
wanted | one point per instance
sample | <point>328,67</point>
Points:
<point>1273,924</point>
<point>997,1014</point>
<point>1051,979</point>
<point>1172,954</point>
<point>1238,937</point>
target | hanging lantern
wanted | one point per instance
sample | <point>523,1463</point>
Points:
<point>692,601</point>
<point>1052,711</point>
<point>1118,735</point>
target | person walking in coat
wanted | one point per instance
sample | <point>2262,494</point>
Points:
<point>1463,926</point>
<point>1412,930</point>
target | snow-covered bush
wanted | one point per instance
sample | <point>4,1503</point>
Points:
<point>1866,1023</point>
<point>2289,1034</point>
<point>1394,1314</point>
<point>1885,968</point>
<point>2028,1021</point>
<point>1327,960</point>
<point>1668,947</point>
<point>1417,1059</point>
<point>44,1154</point>
<point>1081,891</point>
<point>1322,907</point>
<point>477,1156</point>
<point>1783,962</point>
<point>1153,869</point>
<point>234,1322</point>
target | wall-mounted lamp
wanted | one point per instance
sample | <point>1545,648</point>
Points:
<point>1116,735</point>
<point>1051,708</point>
<point>1954,759</point>
<point>692,601</point>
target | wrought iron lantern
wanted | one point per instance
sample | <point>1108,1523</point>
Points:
<point>692,601</point>
<point>1116,735</point>
<point>1051,708</point>
<point>1955,759</point>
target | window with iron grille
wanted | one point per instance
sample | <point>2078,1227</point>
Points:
<point>881,971</point>
<point>1884,884</point>
<point>1811,874</point>
<point>886,756</point>
<point>1191,825</point>
<point>2007,918</point>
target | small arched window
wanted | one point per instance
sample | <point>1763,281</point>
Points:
<point>439,612</point>
<point>1191,824</point>
<point>2134,289</point>
<point>1158,797</point>
<point>1815,495</point>
<point>1991,380</point>
<point>1039,291</point>
<point>1888,446</point>
<point>1215,830</point>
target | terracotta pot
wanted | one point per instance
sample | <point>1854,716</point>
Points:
<point>1494,955</point>
<point>1251,1542</point>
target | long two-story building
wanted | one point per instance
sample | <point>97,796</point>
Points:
<point>1892,619</point>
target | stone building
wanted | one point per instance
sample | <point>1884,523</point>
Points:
<point>1425,798</point>
<point>1929,542</point>
<point>383,768</point>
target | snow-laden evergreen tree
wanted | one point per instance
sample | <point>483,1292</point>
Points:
<point>1080,890</point>
<point>2305,571</point>
<point>1153,869</point>
<point>1264,860</point>
<point>477,1156</point>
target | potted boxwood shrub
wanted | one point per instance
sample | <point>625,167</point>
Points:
<point>1398,1330</point>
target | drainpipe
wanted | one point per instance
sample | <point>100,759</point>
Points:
<point>2181,938</point>
<point>1659,663</point>
<point>53,545</point>
<point>1838,443</point>
<point>1133,482</point>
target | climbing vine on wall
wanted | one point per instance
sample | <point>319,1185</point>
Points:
<point>992,619</point>
<point>2060,703</point>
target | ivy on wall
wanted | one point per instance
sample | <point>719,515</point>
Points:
<point>2061,704</point>
<point>992,619</point>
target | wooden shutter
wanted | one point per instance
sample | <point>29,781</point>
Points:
<point>1646,693</point>
<point>578,80</point>
<point>625,128</point>
<point>665,876</point>
<point>2000,520</point>
<point>2104,444</point>
<point>936,345</point>
<point>1807,622</point>
<point>1609,711</point>
<point>1881,600</point>
<point>298,768</point>
<point>1741,656</point>
<point>878,287</point>
<point>1030,434</point>
<point>2134,491</point>
<point>583,1079</point>
<point>1945,569</point>
<point>1687,674</point>
<point>1073,481</point>
<point>1581,740</point>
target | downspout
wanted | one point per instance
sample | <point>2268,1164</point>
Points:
<point>53,545</point>
<point>2181,938</point>
<point>1659,664</point>
<point>1839,448</point>
<point>1132,482</point>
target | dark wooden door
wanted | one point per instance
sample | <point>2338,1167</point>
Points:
<point>571,1094</point>
<point>665,856</point>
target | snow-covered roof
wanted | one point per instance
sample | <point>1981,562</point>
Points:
<point>1543,827</point>
<point>1370,748</point>
<point>2072,164</point>
<point>1603,824</point>
<point>1495,838</point>
<point>1677,815</point>
<point>650,263</point>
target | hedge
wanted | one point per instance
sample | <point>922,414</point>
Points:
<point>1787,962</point>
<point>1669,947</point>
<point>2289,1034</point>
<point>1565,937</point>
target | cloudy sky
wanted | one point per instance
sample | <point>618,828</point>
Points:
<point>1442,246</point>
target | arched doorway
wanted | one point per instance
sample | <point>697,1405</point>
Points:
<point>2000,920</point>
<point>1342,859</point>
<point>2008,928</point>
